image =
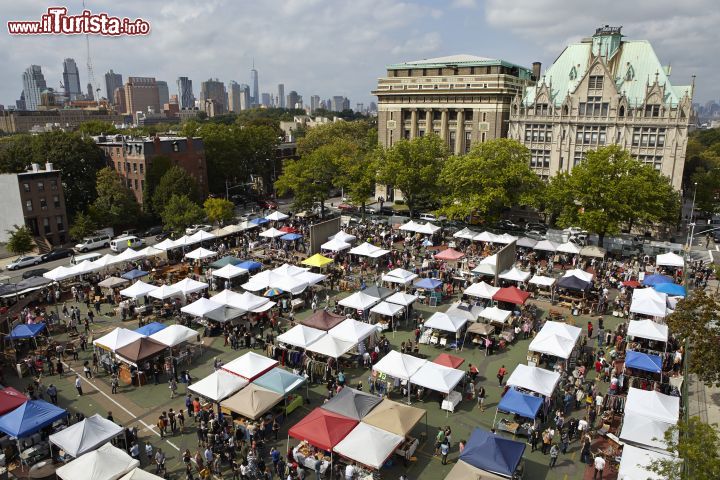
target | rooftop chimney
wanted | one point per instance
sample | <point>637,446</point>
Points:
<point>48,166</point>
<point>536,70</point>
<point>35,167</point>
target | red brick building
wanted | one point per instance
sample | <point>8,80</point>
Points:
<point>132,156</point>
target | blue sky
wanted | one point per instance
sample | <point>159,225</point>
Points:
<point>340,47</point>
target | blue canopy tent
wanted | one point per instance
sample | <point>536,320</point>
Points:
<point>428,283</point>
<point>656,279</point>
<point>492,453</point>
<point>291,237</point>
<point>280,381</point>
<point>25,330</point>
<point>150,328</point>
<point>133,274</point>
<point>671,289</point>
<point>259,221</point>
<point>30,417</point>
<point>250,265</point>
<point>573,283</point>
<point>227,260</point>
<point>523,404</point>
<point>643,361</point>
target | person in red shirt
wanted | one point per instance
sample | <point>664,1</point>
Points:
<point>501,374</point>
<point>590,329</point>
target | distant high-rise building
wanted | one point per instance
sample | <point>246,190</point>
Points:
<point>292,99</point>
<point>89,96</point>
<point>337,103</point>
<point>33,86</point>
<point>234,95</point>
<point>266,100</point>
<point>373,107</point>
<point>345,104</point>
<point>141,95</point>
<point>185,93</point>
<point>71,80</point>
<point>174,99</point>
<point>281,96</point>
<point>112,81</point>
<point>213,90</point>
<point>255,85</point>
<point>359,107</point>
<point>314,103</point>
<point>245,99</point>
<point>119,101</point>
<point>20,103</point>
<point>163,92</point>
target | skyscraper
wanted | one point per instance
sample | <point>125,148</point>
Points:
<point>112,81</point>
<point>245,101</point>
<point>292,99</point>
<point>213,91</point>
<point>337,103</point>
<point>33,86</point>
<point>266,100</point>
<point>234,94</point>
<point>141,95</point>
<point>185,92</point>
<point>255,85</point>
<point>163,92</point>
<point>71,80</point>
<point>281,96</point>
<point>314,103</point>
<point>90,95</point>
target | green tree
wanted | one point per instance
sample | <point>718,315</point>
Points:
<point>413,167</point>
<point>493,176</point>
<point>154,172</point>
<point>219,210</point>
<point>179,212</point>
<point>97,127</point>
<point>610,189</point>
<point>360,133</point>
<point>16,153</point>
<point>20,240</point>
<point>695,322</point>
<point>357,170</point>
<point>82,226</point>
<point>698,445</point>
<point>115,204</point>
<point>175,181</point>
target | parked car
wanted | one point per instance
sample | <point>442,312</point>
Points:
<point>386,211</point>
<point>26,261</point>
<point>35,272</point>
<point>268,204</point>
<point>162,236</point>
<point>123,243</point>
<point>196,228</point>
<point>536,226</point>
<point>93,243</point>
<point>508,225</point>
<point>536,234</point>
<point>57,254</point>
<point>128,233</point>
<point>431,217</point>
<point>152,231</point>
<point>346,207</point>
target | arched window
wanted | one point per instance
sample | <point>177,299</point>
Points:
<point>621,112</point>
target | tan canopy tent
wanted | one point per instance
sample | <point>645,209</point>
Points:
<point>481,328</point>
<point>465,471</point>
<point>252,401</point>
<point>140,350</point>
<point>322,320</point>
<point>394,417</point>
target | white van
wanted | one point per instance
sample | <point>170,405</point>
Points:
<point>120,244</point>
<point>93,243</point>
<point>91,257</point>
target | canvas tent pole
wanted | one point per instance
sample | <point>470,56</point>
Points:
<point>495,417</point>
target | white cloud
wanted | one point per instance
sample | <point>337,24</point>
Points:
<point>464,3</point>
<point>422,43</point>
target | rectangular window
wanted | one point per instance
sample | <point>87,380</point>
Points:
<point>56,201</point>
<point>46,226</point>
<point>28,205</point>
<point>43,204</point>
<point>26,187</point>
<point>53,184</point>
<point>538,133</point>
<point>141,168</point>
<point>540,158</point>
<point>648,137</point>
<point>654,161</point>
<point>468,141</point>
<point>60,223</point>
<point>596,82</point>
<point>41,186</point>
<point>591,135</point>
<point>578,158</point>
<point>136,184</point>
<point>142,185</point>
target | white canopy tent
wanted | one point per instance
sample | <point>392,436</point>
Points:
<point>228,298</point>
<point>556,338</point>
<point>546,246</point>
<point>117,338</point>
<point>401,298</point>
<point>259,281</point>
<point>112,282</point>
<point>86,436</point>
<point>335,245</point>
<point>648,329</point>
<point>201,236</point>
<point>165,245</point>
<point>400,276</point>
<point>218,385</point>
<point>276,216</point>
<point>541,281</point>
<point>652,404</point>
<point>635,463</point>
<point>200,254</point>
<point>127,255</point>
<point>250,365</point>
<point>250,302</point>
<point>229,271</point>
<point>526,242</point>
<point>369,250</point>
<point>645,431</point>
<point>648,301</point>
<point>301,336</point>
<point>581,274</point>
<point>105,463</point>
<point>201,307</point>
<point>140,474</point>
<point>515,275</point>
<point>150,251</point>
<point>487,266</point>
<point>174,335</point>
<point>669,259</point>
<point>387,309</point>
<point>568,247</point>
<point>359,301</point>
<point>105,261</point>
<point>137,290</point>
<point>495,314</point>
<point>331,346</point>
<point>465,233</point>
<point>481,290</point>
<point>59,273</point>
<point>287,283</point>
<point>505,238</point>
<point>343,236</point>
<point>446,322</point>
<point>485,237</point>
<point>437,377</point>
<point>352,330</point>
<point>368,445</point>
<point>183,241</point>
<point>410,226</point>
<point>188,286</point>
<point>85,267</point>
<point>166,291</point>
<point>427,228</point>
<point>465,310</point>
<point>399,365</point>
<point>272,233</point>
<point>535,379</point>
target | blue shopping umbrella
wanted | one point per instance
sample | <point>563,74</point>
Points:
<point>656,279</point>
<point>133,274</point>
<point>249,265</point>
<point>289,237</point>
<point>428,283</point>
<point>258,221</point>
<point>672,289</point>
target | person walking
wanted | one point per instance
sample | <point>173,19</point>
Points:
<point>444,450</point>
<point>78,384</point>
<point>599,465</point>
<point>554,452</point>
<point>501,374</point>
<point>114,383</point>
<point>173,387</point>
<point>481,398</point>
<point>52,393</point>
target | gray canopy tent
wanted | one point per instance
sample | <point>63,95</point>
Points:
<point>352,403</point>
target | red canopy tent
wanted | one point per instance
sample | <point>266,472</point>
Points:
<point>511,295</point>
<point>449,360</point>
<point>10,399</point>
<point>288,229</point>
<point>449,254</point>
<point>322,428</point>
<point>631,283</point>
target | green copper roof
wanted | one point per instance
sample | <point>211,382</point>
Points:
<point>462,60</point>
<point>632,71</point>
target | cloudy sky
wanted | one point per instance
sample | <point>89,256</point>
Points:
<point>339,47</point>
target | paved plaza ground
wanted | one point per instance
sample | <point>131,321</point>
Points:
<point>141,406</point>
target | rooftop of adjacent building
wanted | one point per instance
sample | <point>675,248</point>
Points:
<point>126,139</point>
<point>35,170</point>
<point>633,65</point>
<point>460,60</point>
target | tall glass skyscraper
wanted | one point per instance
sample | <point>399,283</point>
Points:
<point>71,79</point>
<point>33,85</point>
<point>255,85</point>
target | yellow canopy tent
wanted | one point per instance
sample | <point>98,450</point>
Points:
<point>317,260</point>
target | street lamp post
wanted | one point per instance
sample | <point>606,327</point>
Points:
<point>691,233</point>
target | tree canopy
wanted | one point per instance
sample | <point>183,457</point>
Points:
<point>179,212</point>
<point>82,226</point>
<point>413,167</point>
<point>97,127</point>
<point>175,181</point>
<point>360,133</point>
<point>219,210</point>
<point>20,240</point>
<point>493,176</point>
<point>115,204</point>
<point>698,445</point>
<point>610,189</point>
<point>155,171</point>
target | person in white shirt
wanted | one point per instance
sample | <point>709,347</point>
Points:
<point>582,426</point>
<point>599,467</point>
<point>350,472</point>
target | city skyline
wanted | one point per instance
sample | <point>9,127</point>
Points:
<point>363,41</point>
